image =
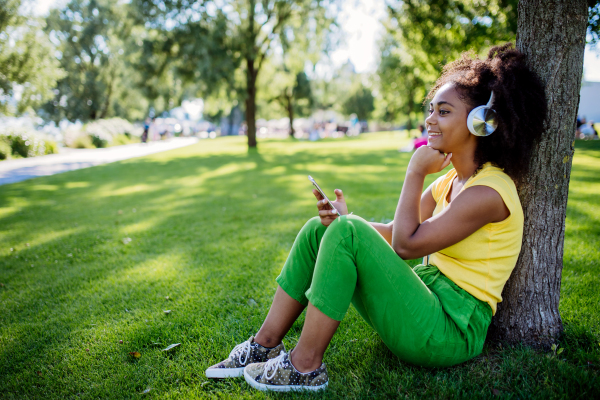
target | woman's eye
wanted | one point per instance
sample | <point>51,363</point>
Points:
<point>444,112</point>
<point>430,111</point>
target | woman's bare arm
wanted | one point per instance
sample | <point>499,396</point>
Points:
<point>427,207</point>
<point>473,208</point>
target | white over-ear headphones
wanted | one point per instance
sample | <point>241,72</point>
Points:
<point>482,120</point>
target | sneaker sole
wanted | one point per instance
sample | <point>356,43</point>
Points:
<point>281,388</point>
<point>224,372</point>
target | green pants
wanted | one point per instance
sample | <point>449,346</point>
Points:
<point>421,315</point>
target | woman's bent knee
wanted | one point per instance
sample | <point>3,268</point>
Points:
<point>313,224</point>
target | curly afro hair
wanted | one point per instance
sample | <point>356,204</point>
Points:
<point>519,102</point>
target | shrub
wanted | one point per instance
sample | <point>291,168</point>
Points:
<point>51,147</point>
<point>5,150</point>
<point>103,133</point>
<point>27,143</point>
<point>98,141</point>
<point>125,138</point>
<point>82,142</point>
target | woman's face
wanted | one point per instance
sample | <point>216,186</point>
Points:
<point>447,122</point>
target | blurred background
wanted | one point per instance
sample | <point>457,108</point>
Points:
<point>100,73</point>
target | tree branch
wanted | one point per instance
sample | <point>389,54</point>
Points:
<point>269,38</point>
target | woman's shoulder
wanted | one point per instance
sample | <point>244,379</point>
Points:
<point>495,177</point>
<point>491,173</point>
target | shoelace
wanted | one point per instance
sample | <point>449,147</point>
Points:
<point>273,365</point>
<point>242,349</point>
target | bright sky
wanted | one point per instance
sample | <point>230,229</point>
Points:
<point>359,19</point>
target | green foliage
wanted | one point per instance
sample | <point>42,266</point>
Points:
<point>29,70</point>
<point>594,22</point>
<point>98,142</point>
<point>24,143</point>
<point>96,42</point>
<point>76,297</point>
<point>103,133</point>
<point>5,149</point>
<point>81,141</point>
<point>331,93</point>
<point>220,52</point>
<point>302,91</point>
<point>124,138</point>
<point>360,102</point>
<point>423,35</point>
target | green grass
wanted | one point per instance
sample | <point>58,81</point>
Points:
<point>210,227</point>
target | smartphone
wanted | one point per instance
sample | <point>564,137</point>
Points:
<point>310,178</point>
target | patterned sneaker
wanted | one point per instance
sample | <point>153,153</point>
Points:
<point>243,354</point>
<point>278,374</point>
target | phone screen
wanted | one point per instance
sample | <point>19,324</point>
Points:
<point>310,178</point>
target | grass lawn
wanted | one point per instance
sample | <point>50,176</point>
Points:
<point>90,260</point>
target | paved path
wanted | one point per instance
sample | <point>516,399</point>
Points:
<point>71,159</point>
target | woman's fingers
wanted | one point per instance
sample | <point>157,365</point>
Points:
<point>446,161</point>
<point>323,205</point>
<point>339,195</point>
<point>317,194</point>
<point>327,213</point>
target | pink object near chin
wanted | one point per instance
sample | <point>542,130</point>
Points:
<point>419,142</point>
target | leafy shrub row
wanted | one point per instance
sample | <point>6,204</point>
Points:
<point>22,143</point>
<point>102,133</point>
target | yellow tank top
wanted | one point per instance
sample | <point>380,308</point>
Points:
<point>482,263</point>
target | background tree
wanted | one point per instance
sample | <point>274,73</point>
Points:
<point>423,35</point>
<point>28,68</point>
<point>360,102</point>
<point>223,39</point>
<point>92,40</point>
<point>594,22</point>
<point>403,80</point>
<point>295,95</point>
<point>552,35</point>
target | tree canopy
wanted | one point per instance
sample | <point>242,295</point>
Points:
<point>29,69</point>
<point>221,47</point>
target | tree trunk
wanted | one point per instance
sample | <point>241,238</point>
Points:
<point>251,102</point>
<point>251,74</point>
<point>104,112</point>
<point>290,110</point>
<point>552,35</point>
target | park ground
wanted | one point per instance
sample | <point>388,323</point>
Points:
<point>184,247</point>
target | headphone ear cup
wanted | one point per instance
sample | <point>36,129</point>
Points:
<point>482,121</point>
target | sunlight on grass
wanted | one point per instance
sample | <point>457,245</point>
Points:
<point>100,254</point>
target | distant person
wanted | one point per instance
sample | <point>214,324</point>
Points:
<point>146,127</point>
<point>314,133</point>
<point>581,123</point>
<point>587,131</point>
<point>594,129</point>
<point>422,130</point>
<point>467,225</point>
<point>153,134</point>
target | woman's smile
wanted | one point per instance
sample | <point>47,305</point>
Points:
<point>447,121</point>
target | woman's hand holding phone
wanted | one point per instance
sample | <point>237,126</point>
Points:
<point>325,212</point>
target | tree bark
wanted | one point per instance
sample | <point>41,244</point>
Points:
<point>108,97</point>
<point>251,74</point>
<point>552,35</point>
<point>251,102</point>
<point>290,110</point>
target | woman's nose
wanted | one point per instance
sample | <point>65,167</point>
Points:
<point>430,120</point>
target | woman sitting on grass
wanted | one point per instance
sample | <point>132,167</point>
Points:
<point>469,221</point>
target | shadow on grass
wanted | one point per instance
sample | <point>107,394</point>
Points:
<point>209,229</point>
